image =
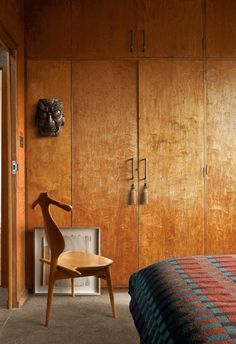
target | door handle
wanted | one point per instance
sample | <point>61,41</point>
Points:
<point>145,169</point>
<point>131,41</point>
<point>144,194</point>
<point>132,168</point>
<point>132,192</point>
<point>144,41</point>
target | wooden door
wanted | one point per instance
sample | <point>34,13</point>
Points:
<point>104,141</point>
<point>10,243</point>
<point>221,28</point>
<point>103,28</point>
<point>171,139</point>
<point>171,28</point>
<point>5,162</point>
<point>221,155</point>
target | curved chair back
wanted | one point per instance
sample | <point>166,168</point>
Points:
<point>54,237</point>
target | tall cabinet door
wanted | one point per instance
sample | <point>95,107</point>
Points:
<point>104,141</point>
<point>221,155</point>
<point>171,139</point>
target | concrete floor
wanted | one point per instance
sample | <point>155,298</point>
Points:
<point>80,320</point>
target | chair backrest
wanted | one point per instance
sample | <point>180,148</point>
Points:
<point>54,237</point>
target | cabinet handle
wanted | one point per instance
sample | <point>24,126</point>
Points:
<point>132,168</point>
<point>145,169</point>
<point>144,40</point>
<point>132,192</point>
<point>131,41</point>
<point>144,194</point>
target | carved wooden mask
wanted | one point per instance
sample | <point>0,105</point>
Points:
<point>50,117</point>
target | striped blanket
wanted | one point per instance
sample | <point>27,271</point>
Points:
<point>188,300</point>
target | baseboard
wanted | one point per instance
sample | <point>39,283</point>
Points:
<point>121,289</point>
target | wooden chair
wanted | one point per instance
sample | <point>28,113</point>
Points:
<point>70,264</point>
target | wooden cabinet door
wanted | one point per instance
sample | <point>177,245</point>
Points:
<point>171,139</point>
<point>221,155</point>
<point>48,158</point>
<point>103,28</point>
<point>221,28</point>
<point>104,139</point>
<point>172,28</point>
<point>48,28</point>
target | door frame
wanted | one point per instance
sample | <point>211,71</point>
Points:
<point>8,179</point>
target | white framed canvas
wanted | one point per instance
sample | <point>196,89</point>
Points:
<point>76,239</point>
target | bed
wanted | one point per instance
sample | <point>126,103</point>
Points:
<point>189,300</point>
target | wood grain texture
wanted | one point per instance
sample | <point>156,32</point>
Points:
<point>48,28</point>
<point>221,28</point>
<point>11,17</point>
<point>12,196</point>
<point>171,138</point>
<point>20,177</point>
<point>104,138</point>
<point>102,28</point>
<point>173,28</point>
<point>48,158</point>
<point>221,155</point>
<point>4,64</point>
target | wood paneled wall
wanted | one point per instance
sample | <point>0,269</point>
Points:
<point>12,19</point>
<point>135,30</point>
<point>48,158</point>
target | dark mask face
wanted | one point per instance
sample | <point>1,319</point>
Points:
<point>50,117</point>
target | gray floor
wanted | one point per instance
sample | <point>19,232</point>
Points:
<point>80,320</point>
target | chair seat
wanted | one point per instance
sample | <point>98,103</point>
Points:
<point>76,260</point>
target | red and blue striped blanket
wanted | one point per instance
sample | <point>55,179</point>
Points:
<point>188,300</point>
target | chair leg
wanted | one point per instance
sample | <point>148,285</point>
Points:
<point>50,293</point>
<point>72,287</point>
<point>110,289</point>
